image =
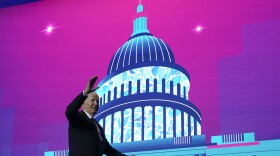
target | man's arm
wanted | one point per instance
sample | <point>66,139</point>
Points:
<point>75,105</point>
<point>109,150</point>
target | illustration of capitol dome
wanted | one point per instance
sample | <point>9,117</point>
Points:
<point>145,94</point>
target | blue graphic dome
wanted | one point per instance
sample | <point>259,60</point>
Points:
<point>140,50</point>
<point>145,95</point>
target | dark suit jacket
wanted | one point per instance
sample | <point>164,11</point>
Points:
<point>83,135</point>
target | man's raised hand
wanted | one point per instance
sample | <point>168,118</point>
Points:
<point>89,87</point>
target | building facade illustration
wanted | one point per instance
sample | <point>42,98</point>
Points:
<point>145,94</point>
<point>145,109</point>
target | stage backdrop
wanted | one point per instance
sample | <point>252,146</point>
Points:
<point>230,50</point>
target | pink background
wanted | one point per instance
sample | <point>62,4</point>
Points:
<point>233,63</point>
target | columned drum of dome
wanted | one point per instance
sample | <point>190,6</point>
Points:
<point>145,93</point>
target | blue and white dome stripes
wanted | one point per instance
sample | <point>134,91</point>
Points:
<point>144,49</point>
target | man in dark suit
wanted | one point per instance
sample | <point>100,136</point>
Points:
<point>86,136</point>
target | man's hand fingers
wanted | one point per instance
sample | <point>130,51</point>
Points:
<point>93,80</point>
<point>90,85</point>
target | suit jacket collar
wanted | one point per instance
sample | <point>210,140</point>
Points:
<point>88,120</point>
<point>88,115</point>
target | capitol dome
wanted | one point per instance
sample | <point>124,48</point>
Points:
<point>142,49</point>
<point>145,95</point>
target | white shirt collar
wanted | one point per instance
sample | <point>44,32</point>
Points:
<point>89,116</point>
